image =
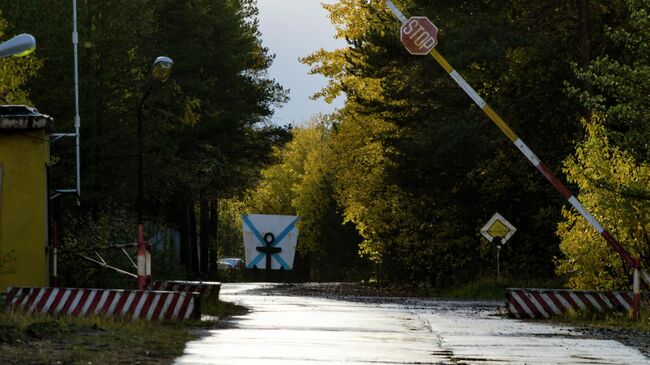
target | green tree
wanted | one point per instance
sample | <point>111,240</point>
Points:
<point>207,134</point>
<point>224,96</point>
<point>611,179</point>
<point>112,69</point>
<point>15,73</point>
<point>418,171</point>
<point>620,79</point>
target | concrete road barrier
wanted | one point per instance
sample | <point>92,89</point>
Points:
<point>127,304</point>
<point>209,290</point>
<point>546,303</point>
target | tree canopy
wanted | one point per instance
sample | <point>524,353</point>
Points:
<point>418,169</point>
<point>207,132</point>
<point>400,179</point>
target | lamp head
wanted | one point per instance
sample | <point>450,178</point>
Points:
<point>20,45</point>
<point>162,68</point>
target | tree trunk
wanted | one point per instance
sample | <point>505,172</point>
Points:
<point>213,232</point>
<point>585,48</point>
<point>194,249</point>
<point>204,231</point>
<point>183,228</point>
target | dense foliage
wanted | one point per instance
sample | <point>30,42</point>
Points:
<point>611,165</point>
<point>614,187</point>
<point>302,183</point>
<point>417,168</point>
<point>206,132</point>
<point>398,181</point>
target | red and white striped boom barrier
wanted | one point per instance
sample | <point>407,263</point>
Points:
<point>546,303</point>
<point>125,304</point>
<point>526,151</point>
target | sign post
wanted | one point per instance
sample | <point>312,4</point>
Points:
<point>498,231</point>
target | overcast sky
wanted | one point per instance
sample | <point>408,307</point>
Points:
<point>292,29</point>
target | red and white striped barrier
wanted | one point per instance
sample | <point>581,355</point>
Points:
<point>127,304</point>
<point>545,303</point>
<point>205,288</point>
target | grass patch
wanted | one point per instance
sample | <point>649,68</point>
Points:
<point>221,309</point>
<point>37,339</point>
<point>608,320</point>
<point>491,289</point>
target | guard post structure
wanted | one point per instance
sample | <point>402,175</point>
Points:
<point>24,153</point>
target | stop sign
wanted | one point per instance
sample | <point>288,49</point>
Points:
<point>418,35</point>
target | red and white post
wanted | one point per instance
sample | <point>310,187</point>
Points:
<point>147,269</point>
<point>144,259</point>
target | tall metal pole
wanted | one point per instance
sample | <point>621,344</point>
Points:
<point>526,151</point>
<point>160,72</point>
<point>142,251</point>
<point>77,118</point>
<point>140,136</point>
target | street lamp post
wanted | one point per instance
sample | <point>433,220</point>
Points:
<point>160,72</point>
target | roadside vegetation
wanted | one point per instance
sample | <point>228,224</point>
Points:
<point>392,188</point>
<point>408,171</point>
<point>37,339</point>
<point>609,320</point>
<point>491,289</point>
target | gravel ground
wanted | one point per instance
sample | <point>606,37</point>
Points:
<point>636,338</point>
<point>630,337</point>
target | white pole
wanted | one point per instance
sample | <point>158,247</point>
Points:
<point>77,118</point>
<point>498,265</point>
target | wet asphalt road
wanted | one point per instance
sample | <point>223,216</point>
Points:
<point>290,330</point>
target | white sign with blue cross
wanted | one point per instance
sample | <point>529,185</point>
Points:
<point>274,235</point>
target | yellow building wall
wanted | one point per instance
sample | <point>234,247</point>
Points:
<point>23,208</point>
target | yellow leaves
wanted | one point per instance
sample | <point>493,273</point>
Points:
<point>614,188</point>
<point>350,17</point>
<point>132,53</point>
<point>14,72</point>
<point>192,111</point>
<point>330,64</point>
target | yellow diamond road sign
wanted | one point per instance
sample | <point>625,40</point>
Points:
<point>498,226</point>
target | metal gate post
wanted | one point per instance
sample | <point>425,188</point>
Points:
<point>142,258</point>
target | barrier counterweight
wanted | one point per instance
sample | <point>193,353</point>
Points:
<point>546,303</point>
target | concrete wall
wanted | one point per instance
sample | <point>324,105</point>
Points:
<point>23,208</point>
